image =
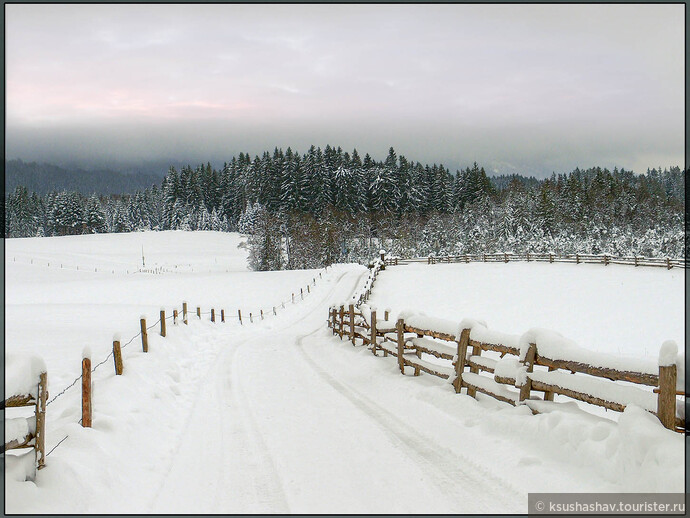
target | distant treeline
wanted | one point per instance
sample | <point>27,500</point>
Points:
<point>43,178</point>
<point>324,206</point>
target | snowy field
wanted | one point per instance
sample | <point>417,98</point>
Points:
<point>280,417</point>
<point>616,309</point>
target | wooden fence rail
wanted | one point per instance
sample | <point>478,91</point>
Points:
<point>604,259</point>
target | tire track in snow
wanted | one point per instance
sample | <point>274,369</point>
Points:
<point>458,475</point>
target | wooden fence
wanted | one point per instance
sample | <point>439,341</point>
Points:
<point>510,368</point>
<point>28,432</point>
<point>604,259</point>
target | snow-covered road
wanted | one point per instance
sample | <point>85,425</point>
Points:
<point>272,431</point>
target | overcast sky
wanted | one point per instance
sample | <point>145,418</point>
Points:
<point>517,88</point>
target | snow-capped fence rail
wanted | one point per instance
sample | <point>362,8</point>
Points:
<point>604,259</point>
<point>26,385</point>
<point>514,367</point>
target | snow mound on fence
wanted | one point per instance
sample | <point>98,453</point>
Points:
<point>22,373</point>
<point>553,345</point>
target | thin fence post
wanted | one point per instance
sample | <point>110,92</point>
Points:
<point>239,315</point>
<point>463,342</point>
<point>117,356</point>
<point>262,314</point>
<point>373,332</point>
<point>86,410</point>
<point>198,312</point>
<point>550,257</point>
<point>274,311</point>
<point>400,328</point>
<point>385,315</point>
<point>251,319</point>
<point>222,315</point>
<point>163,323</point>
<point>635,260</point>
<point>606,260</point>
<point>40,414</point>
<point>282,305</point>
<point>341,323</point>
<point>308,290</point>
<point>529,361</point>
<point>301,293</point>
<point>144,336</point>
<point>293,298</point>
<point>213,315</point>
<point>352,323</point>
<point>174,317</point>
<point>184,313</point>
<point>668,263</point>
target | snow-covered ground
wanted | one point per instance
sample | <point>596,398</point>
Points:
<point>279,416</point>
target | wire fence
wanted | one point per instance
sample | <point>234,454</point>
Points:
<point>271,312</point>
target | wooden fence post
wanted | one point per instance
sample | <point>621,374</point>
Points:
<point>251,318</point>
<point>293,298</point>
<point>308,291</point>
<point>162,322</point>
<point>529,362</point>
<point>606,260</point>
<point>174,317</point>
<point>342,321</point>
<point>505,257</point>
<point>352,323</point>
<point>239,315</point>
<point>550,257</point>
<point>40,413</point>
<point>668,263</point>
<point>144,336</point>
<point>385,315</point>
<point>262,314</point>
<point>463,342</point>
<point>184,313</point>
<point>86,411</point>
<point>373,332</point>
<point>301,293</point>
<point>117,356</point>
<point>635,260</point>
<point>213,315</point>
<point>528,257</point>
<point>274,311</point>
<point>222,315</point>
<point>400,328</point>
<point>198,312</point>
<point>666,403</point>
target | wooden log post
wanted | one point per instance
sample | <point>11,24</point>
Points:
<point>550,257</point>
<point>342,321</point>
<point>636,261</point>
<point>293,298</point>
<point>528,257</point>
<point>372,338</point>
<point>144,335</point>
<point>668,263</point>
<point>184,313</point>
<point>385,315</point>
<point>476,351</point>
<point>526,388</point>
<point>198,312</point>
<point>606,260</point>
<point>222,315</point>
<point>213,315</point>
<point>163,323</point>
<point>577,258</point>
<point>308,290</point>
<point>463,342</point>
<point>262,314</point>
<point>251,318</point>
<point>505,257</point>
<point>174,317</point>
<point>40,414</point>
<point>117,356</point>
<point>352,323</point>
<point>86,411</point>
<point>239,315</point>
<point>548,395</point>
<point>400,329</point>
<point>383,259</point>
<point>666,402</point>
